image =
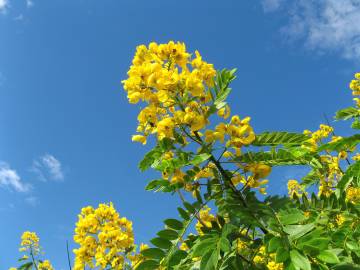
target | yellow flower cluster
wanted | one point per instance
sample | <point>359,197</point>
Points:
<point>272,265</point>
<point>268,259</point>
<point>45,265</point>
<point>256,179</point>
<point>339,219</point>
<point>294,188</point>
<point>104,238</point>
<point>30,242</point>
<point>353,195</point>
<point>206,218</point>
<point>173,85</point>
<point>241,245</point>
<point>315,137</point>
<point>239,131</point>
<point>329,181</point>
<point>355,85</point>
<point>356,157</point>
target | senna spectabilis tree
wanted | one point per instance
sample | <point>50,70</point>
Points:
<point>214,161</point>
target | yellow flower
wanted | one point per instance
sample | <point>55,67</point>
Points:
<point>103,237</point>
<point>353,195</point>
<point>30,242</point>
<point>204,173</point>
<point>356,157</point>
<point>45,265</point>
<point>342,155</point>
<point>165,128</point>
<point>339,219</point>
<point>206,218</point>
<point>184,246</point>
<point>294,188</point>
<point>224,112</point>
<point>315,137</point>
<point>178,176</point>
<point>272,265</point>
<point>240,245</point>
<point>139,138</point>
<point>228,154</point>
<point>259,170</point>
<point>237,179</point>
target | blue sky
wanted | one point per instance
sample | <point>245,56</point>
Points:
<point>65,123</point>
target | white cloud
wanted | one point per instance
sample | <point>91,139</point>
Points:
<point>32,201</point>
<point>271,5</point>
<point>29,3</point>
<point>324,25</point>
<point>4,4</point>
<point>47,167</point>
<point>10,179</point>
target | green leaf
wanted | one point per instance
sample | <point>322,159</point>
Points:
<point>148,265</point>
<point>198,159</point>
<point>292,218</point>
<point>203,245</point>
<point>224,244</point>
<point>274,158</point>
<point>149,159</point>
<point>219,102</point>
<point>156,184</point>
<point>347,113</point>
<point>161,243</point>
<point>279,138</point>
<point>26,266</point>
<point>351,174</point>
<point>356,124</point>
<point>176,257</point>
<point>189,207</point>
<point>345,266</point>
<point>153,253</point>
<point>274,244</point>
<point>296,231</point>
<point>299,260</point>
<point>168,234</point>
<point>341,144</point>
<point>183,213</point>
<point>23,259</point>
<point>313,243</point>
<point>209,260</point>
<point>281,255</point>
<point>227,229</point>
<point>174,224</point>
<point>328,256</point>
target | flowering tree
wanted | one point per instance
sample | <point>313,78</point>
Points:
<point>209,157</point>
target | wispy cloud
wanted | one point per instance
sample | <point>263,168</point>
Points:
<point>323,25</point>
<point>29,3</point>
<point>47,167</point>
<point>32,201</point>
<point>10,179</point>
<point>3,5</point>
<point>20,17</point>
<point>271,5</point>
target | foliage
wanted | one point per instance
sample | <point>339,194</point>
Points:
<point>207,156</point>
